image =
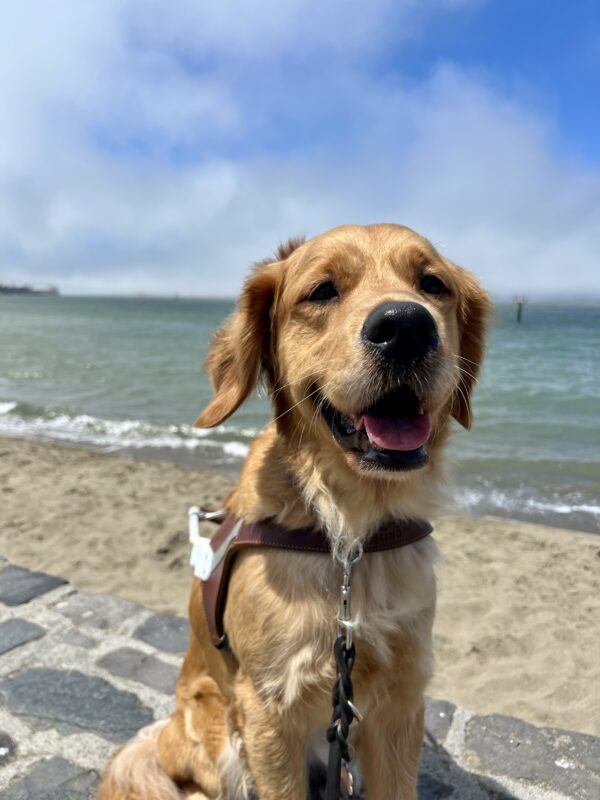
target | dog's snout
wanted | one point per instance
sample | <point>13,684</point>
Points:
<point>400,332</point>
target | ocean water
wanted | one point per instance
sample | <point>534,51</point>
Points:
<point>126,375</point>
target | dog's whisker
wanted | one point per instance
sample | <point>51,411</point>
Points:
<point>468,375</point>
<point>461,392</point>
<point>304,378</point>
<point>316,413</point>
<point>466,360</point>
<point>306,397</point>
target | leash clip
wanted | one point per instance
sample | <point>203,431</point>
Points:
<point>345,624</point>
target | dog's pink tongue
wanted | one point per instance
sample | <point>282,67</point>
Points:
<point>397,433</point>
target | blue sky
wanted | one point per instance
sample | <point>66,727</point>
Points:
<point>543,53</point>
<point>161,148</point>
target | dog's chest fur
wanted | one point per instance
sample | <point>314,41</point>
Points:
<point>284,630</point>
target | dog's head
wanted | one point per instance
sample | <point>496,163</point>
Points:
<point>368,339</point>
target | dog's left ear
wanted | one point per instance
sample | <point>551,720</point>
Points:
<point>239,352</point>
<point>474,310</point>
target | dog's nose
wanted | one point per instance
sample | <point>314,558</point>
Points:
<point>400,332</point>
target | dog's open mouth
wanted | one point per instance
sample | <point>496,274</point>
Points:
<point>390,434</point>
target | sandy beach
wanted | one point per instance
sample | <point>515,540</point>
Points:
<point>518,622</point>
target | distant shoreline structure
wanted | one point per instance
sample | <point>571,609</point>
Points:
<point>51,291</point>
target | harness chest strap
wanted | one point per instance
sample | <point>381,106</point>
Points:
<point>213,559</point>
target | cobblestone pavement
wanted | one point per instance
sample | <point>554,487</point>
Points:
<point>80,673</point>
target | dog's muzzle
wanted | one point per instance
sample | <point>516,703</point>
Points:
<point>391,433</point>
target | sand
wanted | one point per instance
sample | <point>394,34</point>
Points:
<point>518,623</point>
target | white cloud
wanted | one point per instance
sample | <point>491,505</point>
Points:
<point>152,150</point>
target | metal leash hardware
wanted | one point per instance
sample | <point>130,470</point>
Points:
<point>196,515</point>
<point>344,710</point>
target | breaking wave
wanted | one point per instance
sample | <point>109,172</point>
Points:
<point>224,445</point>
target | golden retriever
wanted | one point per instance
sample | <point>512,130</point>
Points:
<point>369,341</point>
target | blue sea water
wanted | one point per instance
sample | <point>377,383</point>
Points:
<point>125,374</point>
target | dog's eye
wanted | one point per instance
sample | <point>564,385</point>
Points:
<point>323,292</point>
<point>432,285</point>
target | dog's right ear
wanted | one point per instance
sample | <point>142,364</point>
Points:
<point>239,352</point>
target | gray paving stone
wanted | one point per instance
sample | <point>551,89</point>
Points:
<point>73,702</point>
<point>8,748</point>
<point>69,701</point>
<point>438,718</point>
<point>165,633</point>
<point>18,585</point>
<point>102,611</point>
<point>15,632</point>
<point>127,662</point>
<point>565,761</point>
<point>55,779</point>
<point>441,777</point>
<point>431,789</point>
<point>79,640</point>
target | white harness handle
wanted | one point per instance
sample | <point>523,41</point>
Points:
<point>204,559</point>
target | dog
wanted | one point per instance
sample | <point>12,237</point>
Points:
<point>369,342</point>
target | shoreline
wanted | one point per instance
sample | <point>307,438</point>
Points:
<point>188,459</point>
<point>519,604</point>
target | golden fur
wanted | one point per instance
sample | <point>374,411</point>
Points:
<point>250,717</point>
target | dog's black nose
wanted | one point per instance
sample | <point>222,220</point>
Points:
<point>400,332</point>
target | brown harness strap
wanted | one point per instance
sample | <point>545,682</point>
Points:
<point>269,534</point>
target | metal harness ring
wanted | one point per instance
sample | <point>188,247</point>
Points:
<point>353,557</point>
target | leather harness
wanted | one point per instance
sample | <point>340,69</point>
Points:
<point>234,535</point>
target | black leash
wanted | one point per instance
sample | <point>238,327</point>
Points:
<point>342,696</point>
<point>341,719</point>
